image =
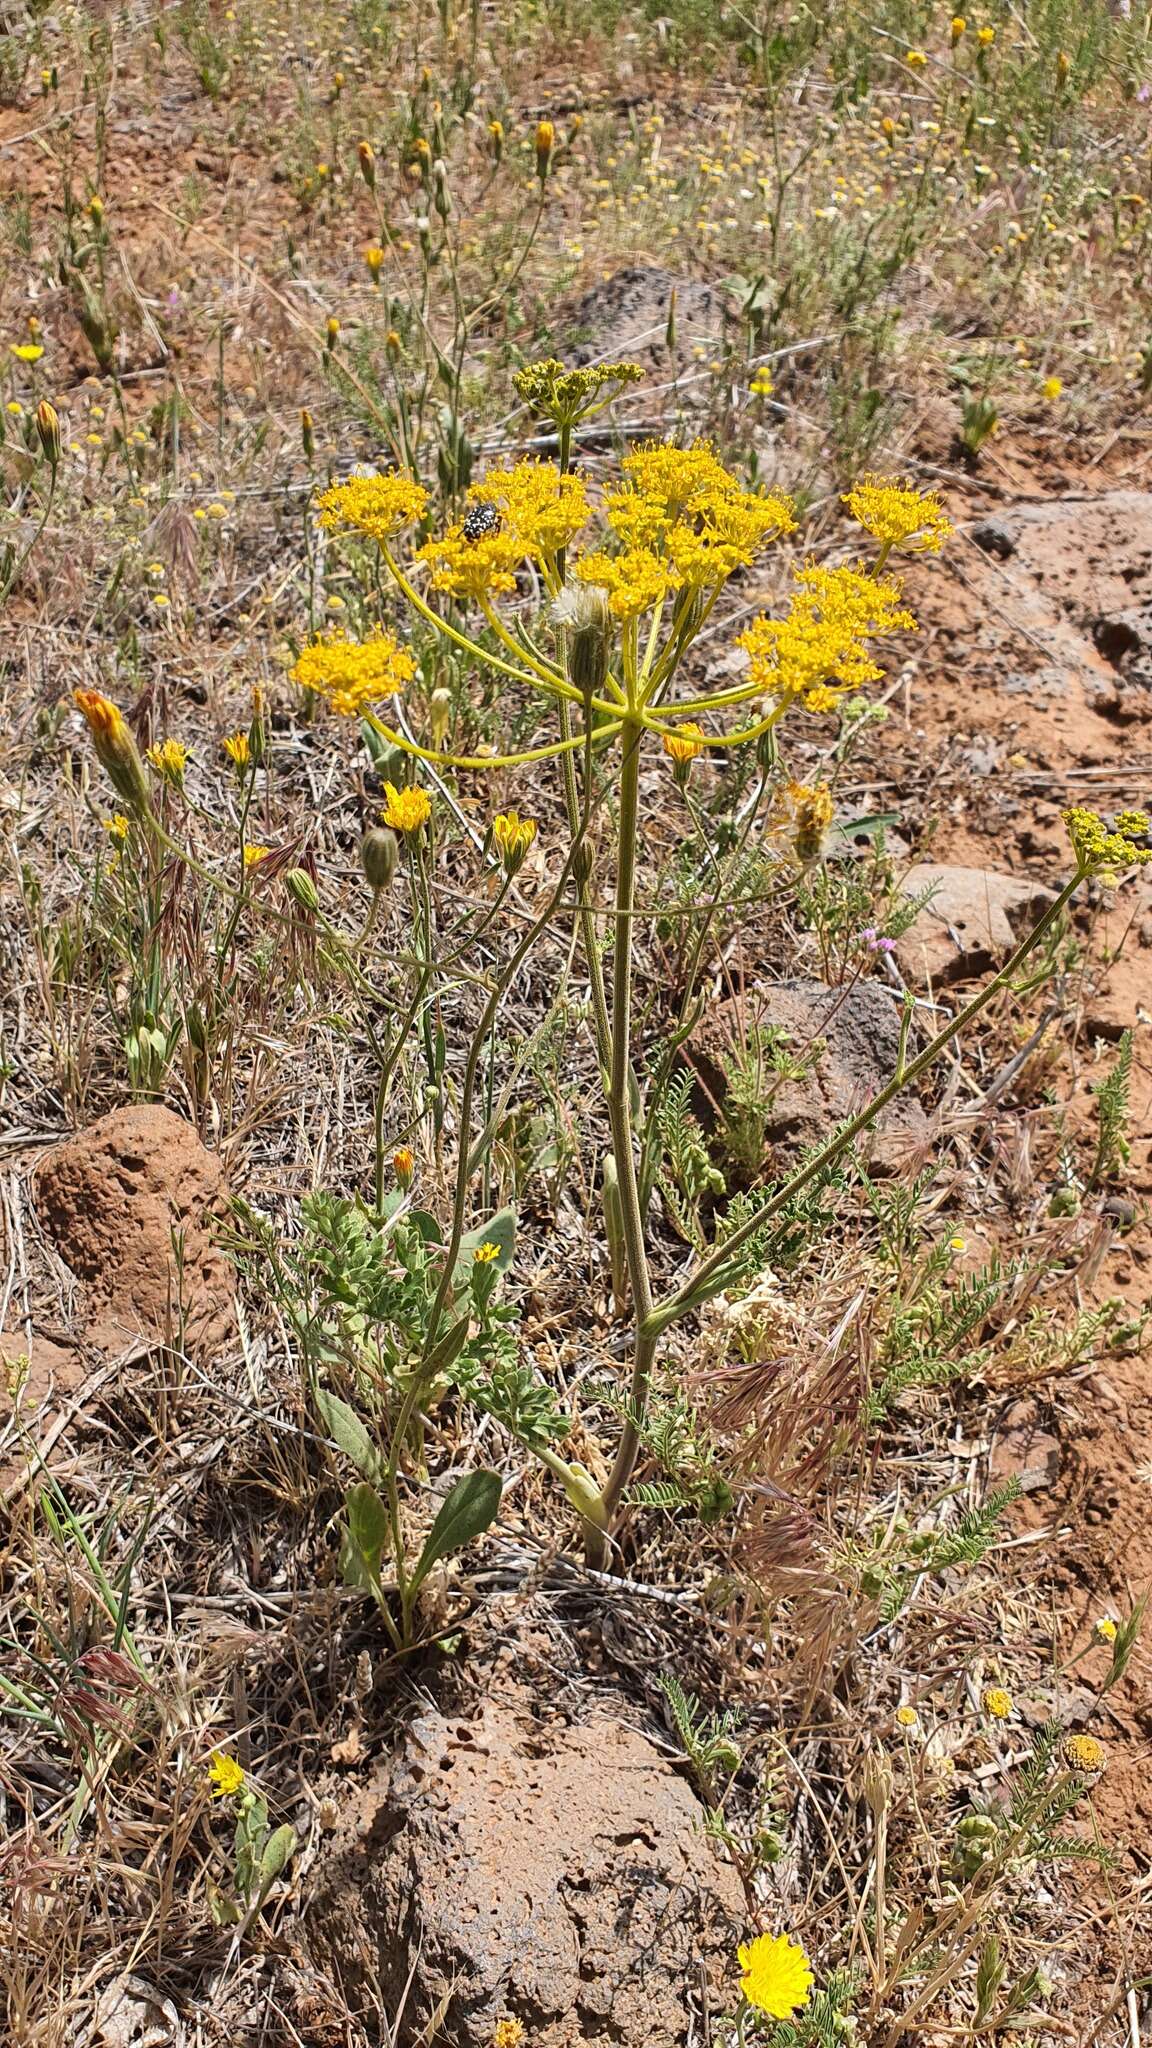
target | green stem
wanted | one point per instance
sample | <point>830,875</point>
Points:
<point>620,1086</point>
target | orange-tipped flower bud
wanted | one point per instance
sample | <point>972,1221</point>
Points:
<point>306,434</point>
<point>496,139</point>
<point>404,1165</point>
<point>367,157</point>
<point>545,144</point>
<point>48,428</point>
<point>115,747</point>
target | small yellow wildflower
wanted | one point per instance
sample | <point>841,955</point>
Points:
<point>957,1244</point>
<point>407,809</point>
<point>684,743</point>
<point>545,144</point>
<point>1105,1628</point>
<point>986,36</point>
<point>238,749</point>
<point>898,516</point>
<point>916,58</point>
<point>1052,388</point>
<point>776,1976</point>
<point>226,1775</point>
<point>116,826</point>
<point>512,836</point>
<point>484,1254</point>
<point>404,1164</point>
<point>351,674</point>
<point>761,385</point>
<point>997,1703</point>
<point>374,258</point>
<point>958,26</point>
<point>26,351</point>
<point>508,2034</point>
<point>378,506</point>
<point>1083,1753</point>
<point>170,759</point>
<point>907,1717</point>
<point>253,855</point>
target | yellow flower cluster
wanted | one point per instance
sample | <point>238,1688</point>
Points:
<point>681,509</point>
<point>541,506</point>
<point>407,809</point>
<point>1083,1753</point>
<point>817,652</point>
<point>775,1975</point>
<point>1102,852</point>
<point>473,568</point>
<point>898,516</point>
<point>997,1703</point>
<point>635,581</point>
<point>353,673</point>
<point>378,506</point>
<point>569,395</point>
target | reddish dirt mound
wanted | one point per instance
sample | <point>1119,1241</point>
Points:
<point>132,1205</point>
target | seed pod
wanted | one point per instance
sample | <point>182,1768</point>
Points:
<point>302,889</point>
<point>379,853</point>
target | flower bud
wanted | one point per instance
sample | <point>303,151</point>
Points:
<point>96,210</point>
<point>1063,67</point>
<point>307,437</point>
<point>331,332</point>
<point>512,836</point>
<point>682,747</point>
<point>367,158</point>
<point>404,1165</point>
<point>545,144</point>
<point>583,609</point>
<point>440,715</point>
<point>379,853</point>
<point>302,888</point>
<point>496,139</point>
<point>115,747</point>
<point>48,428</point>
<point>440,198</point>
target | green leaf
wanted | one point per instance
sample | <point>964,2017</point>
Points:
<point>500,1230</point>
<point>470,1508</point>
<point>278,1851</point>
<point>349,1434</point>
<point>365,1536</point>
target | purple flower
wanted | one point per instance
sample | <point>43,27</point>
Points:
<point>875,941</point>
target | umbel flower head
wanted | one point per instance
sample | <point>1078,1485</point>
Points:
<point>116,749</point>
<point>539,504</point>
<point>377,506</point>
<point>817,652</point>
<point>1102,852</point>
<point>570,395</point>
<point>775,1975</point>
<point>480,568</point>
<point>898,516</point>
<point>352,673</point>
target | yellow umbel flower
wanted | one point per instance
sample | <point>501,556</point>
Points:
<point>512,836</point>
<point>378,506</point>
<point>407,809</point>
<point>226,1775</point>
<point>730,534</point>
<point>1083,1753</point>
<point>817,652</point>
<point>473,568</point>
<point>898,516</point>
<point>635,581</point>
<point>540,505</point>
<point>238,748</point>
<point>637,520</point>
<point>997,1703</point>
<point>508,2034</point>
<point>169,758</point>
<point>1102,852</point>
<point>680,479</point>
<point>776,1976</point>
<point>353,673</point>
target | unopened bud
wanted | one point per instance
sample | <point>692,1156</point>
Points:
<point>379,853</point>
<point>331,332</point>
<point>404,1165</point>
<point>307,436</point>
<point>584,611</point>
<point>302,889</point>
<point>48,428</point>
<point>440,197</point>
<point>367,160</point>
<point>96,210</point>
<point>1063,67</point>
<point>876,1781</point>
<point>496,139</point>
<point>115,747</point>
<point>440,715</point>
<point>545,144</point>
<point>512,836</point>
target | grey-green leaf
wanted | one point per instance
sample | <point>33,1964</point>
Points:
<point>349,1434</point>
<point>500,1230</point>
<point>470,1508</point>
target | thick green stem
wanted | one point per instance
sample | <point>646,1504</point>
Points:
<point>620,1086</point>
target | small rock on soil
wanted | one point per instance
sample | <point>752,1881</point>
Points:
<point>115,1200</point>
<point>556,1875</point>
<point>973,921</point>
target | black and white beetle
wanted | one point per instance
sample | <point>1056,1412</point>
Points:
<point>480,520</point>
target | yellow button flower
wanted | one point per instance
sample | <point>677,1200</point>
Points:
<point>776,1977</point>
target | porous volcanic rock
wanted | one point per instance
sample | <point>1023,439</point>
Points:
<point>974,919</point>
<point>557,1875</point>
<point>858,1028</point>
<point>115,1200</point>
